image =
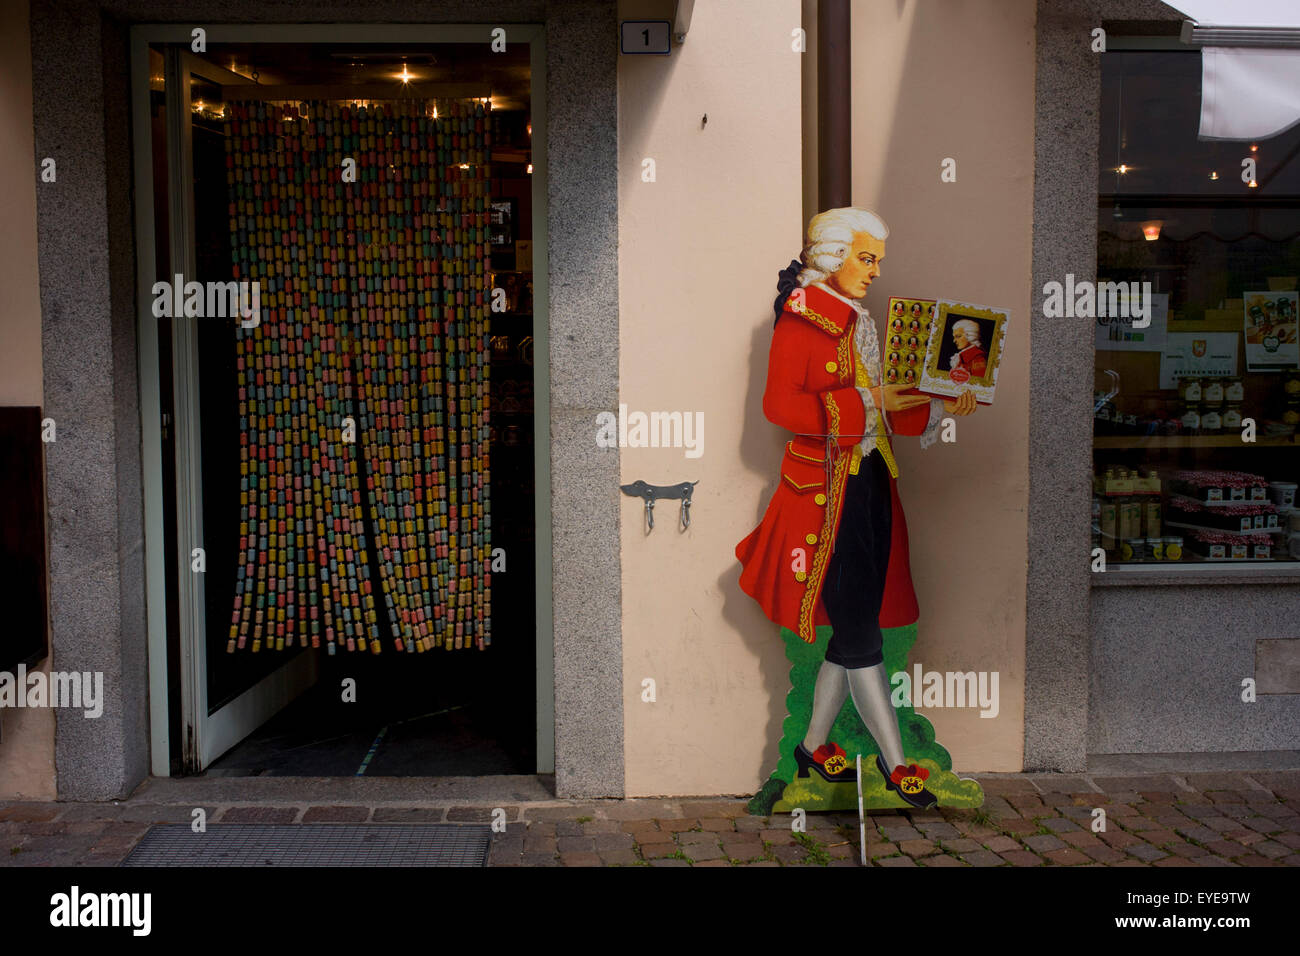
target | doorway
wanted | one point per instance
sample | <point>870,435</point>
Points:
<point>406,671</point>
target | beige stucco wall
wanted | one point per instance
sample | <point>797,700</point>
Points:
<point>26,736</point>
<point>932,81</point>
<point>700,249</point>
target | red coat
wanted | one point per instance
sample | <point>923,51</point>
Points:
<point>973,360</point>
<point>811,375</point>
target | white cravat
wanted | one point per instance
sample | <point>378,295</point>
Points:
<point>866,343</point>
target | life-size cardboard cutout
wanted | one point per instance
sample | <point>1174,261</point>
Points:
<point>829,561</point>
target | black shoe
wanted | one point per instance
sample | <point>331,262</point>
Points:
<point>830,762</point>
<point>910,784</point>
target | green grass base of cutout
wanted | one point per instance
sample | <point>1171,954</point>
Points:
<point>919,745</point>
<point>813,793</point>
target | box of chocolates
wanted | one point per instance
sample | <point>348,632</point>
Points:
<point>907,330</point>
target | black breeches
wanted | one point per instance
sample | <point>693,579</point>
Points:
<point>855,579</point>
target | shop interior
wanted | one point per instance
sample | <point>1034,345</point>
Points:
<point>1196,453</point>
<point>407,710</point>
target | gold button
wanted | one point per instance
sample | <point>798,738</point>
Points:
<point>801,576</point>
<point>820,499</point>
<point>832,367</point>
<point>811,539</point>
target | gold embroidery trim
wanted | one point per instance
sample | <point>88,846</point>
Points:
<point>799,487</point>
<point>887,453</point>
<point>813,586</point>
<point>832,417</point>
<point>816,318</point>
<point>789,446</point>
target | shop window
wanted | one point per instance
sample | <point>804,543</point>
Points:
<point>1197,378</point>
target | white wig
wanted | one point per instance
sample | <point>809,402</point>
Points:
<point>971,329</point>
<point>830,236</point>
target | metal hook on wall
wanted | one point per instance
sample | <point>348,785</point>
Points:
<point>652,493</point>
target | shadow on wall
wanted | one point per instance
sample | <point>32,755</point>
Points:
<point>761,448</point>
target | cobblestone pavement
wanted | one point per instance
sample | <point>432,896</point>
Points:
<point>1237,819</point>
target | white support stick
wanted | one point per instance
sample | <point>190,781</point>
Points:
<point>862,820</point>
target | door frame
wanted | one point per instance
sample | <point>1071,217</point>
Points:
<point>204,736</point>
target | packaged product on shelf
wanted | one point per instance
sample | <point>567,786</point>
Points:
<point>1117,483</point>
<point>1156,548</point>
<point>1211,420</point>
<point>1212,391</point>
<point>1130,520</point>
<point>1134,549</point>
<point>1151,518</point>
<point>1220,546</point>
<point>1173,547</point>
<point>1282,493</point>
<point>1185,512</point>
<point>1291,416</point>
<point>1191,420</point>
<point>1232,417</point>
<point>1109,524</point>
<point>1189,390</point>
<point>1216,488</point>
<point>1216,545</point>
<point>1234,390</point>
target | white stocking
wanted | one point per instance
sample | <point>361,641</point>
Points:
<point>870,690</point>
<point>828,700</point>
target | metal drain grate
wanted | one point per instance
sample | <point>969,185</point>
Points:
<point>308,844</point>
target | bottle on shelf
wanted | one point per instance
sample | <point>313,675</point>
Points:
<point>1109,525</point>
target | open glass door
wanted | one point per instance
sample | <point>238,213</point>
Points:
<point>218,700</point>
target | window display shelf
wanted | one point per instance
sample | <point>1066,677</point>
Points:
<point>1245,532</point>
<point>1198,573</point>
<point>1188,441</point>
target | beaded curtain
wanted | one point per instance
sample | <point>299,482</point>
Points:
<point>374,298</point>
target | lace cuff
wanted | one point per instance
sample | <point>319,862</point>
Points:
<point>931,433</point>
<point>870,422</point>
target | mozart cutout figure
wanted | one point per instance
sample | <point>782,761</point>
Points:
<point>832,546</point>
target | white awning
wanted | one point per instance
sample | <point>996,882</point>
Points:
<point>1239,14</point>
<point>1250,65</point>
<point>1248,93</point>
